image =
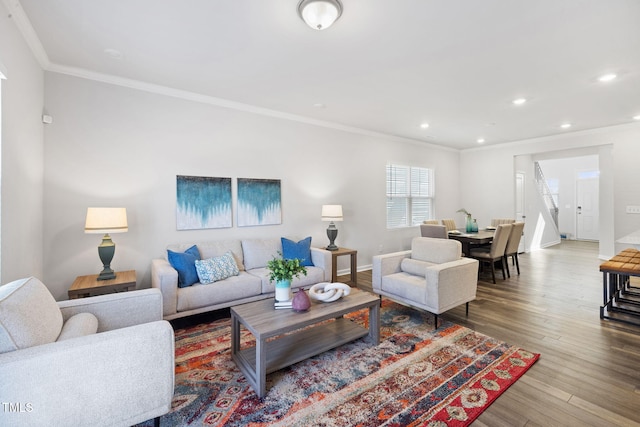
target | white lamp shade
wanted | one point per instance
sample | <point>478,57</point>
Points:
<point>320,14</point>
<point>106,220</point>
<point>332,212</point>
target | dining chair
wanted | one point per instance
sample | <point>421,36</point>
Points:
<point>431,221</point>
<point>437,231</point>
<point>511,249</point>
<point>450,224</point>
<point>495,252</point>
<point>497,221</point>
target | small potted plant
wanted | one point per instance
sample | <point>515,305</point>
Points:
<point>282,271</point>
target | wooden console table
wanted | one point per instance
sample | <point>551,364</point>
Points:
<point>621,300</point>
<point>354,265</point>
<point>89,286</point>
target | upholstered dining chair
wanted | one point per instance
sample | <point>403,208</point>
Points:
<point>437,231</point>
<point>450,224</point>
<point>495,252</point>
<point>497,221</point>
<point>431,221</point>
<point>512,246</point>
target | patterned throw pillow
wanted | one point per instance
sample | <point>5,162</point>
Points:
<point>217,268</point>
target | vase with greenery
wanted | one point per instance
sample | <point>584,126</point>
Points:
<point>469,223</point>
<point>282,271</point>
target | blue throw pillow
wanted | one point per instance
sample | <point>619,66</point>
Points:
<point>300,250</point>
<point>185,264</point>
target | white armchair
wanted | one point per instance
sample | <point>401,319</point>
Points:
<point>100,361</point>
<point>432,276</point>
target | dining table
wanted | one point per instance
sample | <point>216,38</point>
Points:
<point>470,239</point>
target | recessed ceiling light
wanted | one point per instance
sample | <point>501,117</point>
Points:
<point>319,105</point>
<point>607,77</point>
<point>113,53</point>
<point>636,117</point>
<point>424,125</point>
<point>480,140</point>
<point>519,101</point>
<point>565,125</point>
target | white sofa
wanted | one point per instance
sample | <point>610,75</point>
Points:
<point>432,276</point>
<point>251,256</point>
<point>99,361</point>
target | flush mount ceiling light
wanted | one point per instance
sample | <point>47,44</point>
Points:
<point>320,14</point>
<point>480,140</point>
<point>424,125</point>
<point>607,77</point>
<point>636,117</point>
<point>565,125</point>
<point>519,101</point>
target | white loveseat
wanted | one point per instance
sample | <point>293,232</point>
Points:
<point>251,284</point>
<point>99,361</point>
<point>432,276</point>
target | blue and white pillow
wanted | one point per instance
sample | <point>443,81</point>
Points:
<point>217,268</point>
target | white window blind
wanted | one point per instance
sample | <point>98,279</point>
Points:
<point>409,195</point>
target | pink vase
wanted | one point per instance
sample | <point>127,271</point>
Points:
<point>301,301</point>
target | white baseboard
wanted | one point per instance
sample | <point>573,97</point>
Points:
<point>359,268</point>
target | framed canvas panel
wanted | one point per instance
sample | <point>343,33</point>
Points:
<point>259,202</point>
<point>203,202</point>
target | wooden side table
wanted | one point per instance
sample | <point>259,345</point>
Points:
<point>89,286</point>
<point>354,265</point>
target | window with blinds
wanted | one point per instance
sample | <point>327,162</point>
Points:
<point>409,195</point>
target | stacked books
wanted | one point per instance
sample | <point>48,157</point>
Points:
<point>282,304</point>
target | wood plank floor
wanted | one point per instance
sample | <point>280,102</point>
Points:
<point>589,370</point>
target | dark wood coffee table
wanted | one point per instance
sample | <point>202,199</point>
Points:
<point>481,237</point>
<point>265,322</point>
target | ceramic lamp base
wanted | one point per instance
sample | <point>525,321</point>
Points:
<point>332,233</point>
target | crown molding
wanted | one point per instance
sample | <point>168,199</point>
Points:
<point>16,12</point>
<point>220,102</point>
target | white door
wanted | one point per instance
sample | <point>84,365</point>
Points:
<point>520,213</point>
<point>587,213</point>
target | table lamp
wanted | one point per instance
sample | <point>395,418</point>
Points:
<point>106,220</point>
<point>332,213</point>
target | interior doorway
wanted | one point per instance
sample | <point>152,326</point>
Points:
<point>603,157</point>
<point>575,183</point>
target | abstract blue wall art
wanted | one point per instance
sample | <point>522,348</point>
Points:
<point>259,202</point>
<point>203,202</point>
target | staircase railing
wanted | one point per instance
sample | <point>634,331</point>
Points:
<point>545,192</point>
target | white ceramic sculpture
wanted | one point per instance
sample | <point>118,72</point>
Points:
<point>328,292</point>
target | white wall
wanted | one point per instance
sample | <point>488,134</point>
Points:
<point>22,156</point>
<point>115,146</point>
<point>618,150</point>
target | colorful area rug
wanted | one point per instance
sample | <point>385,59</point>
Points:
<point>417,376</point>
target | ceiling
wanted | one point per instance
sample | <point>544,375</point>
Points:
<point>384,67</point>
